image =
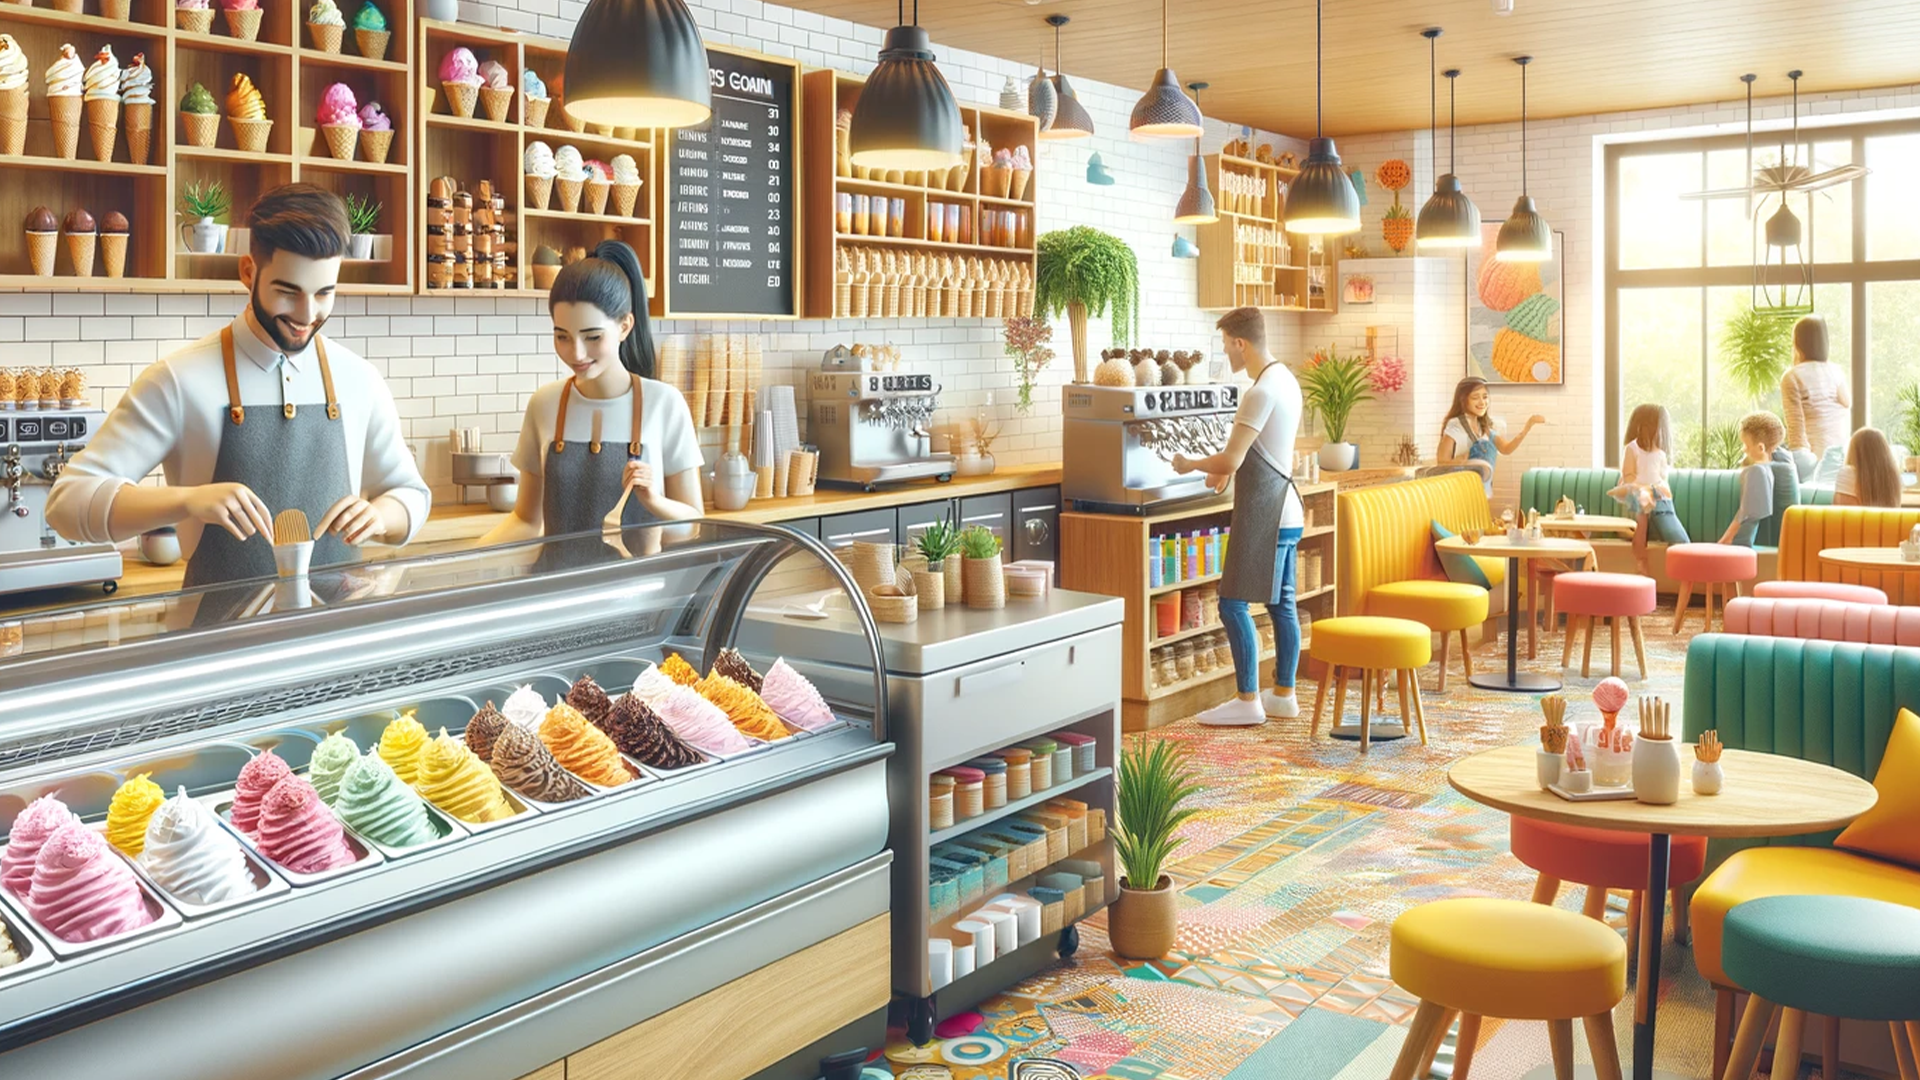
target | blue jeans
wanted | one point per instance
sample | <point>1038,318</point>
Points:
<point>1663,524</point>
<point>1245,643</point>
<point>1485,450</point>
<point>1747,533</point>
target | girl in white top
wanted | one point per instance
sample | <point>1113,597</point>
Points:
<point>1643,486</point>
<point>602,336</point>
<point>1472,437</point>
<point>1816,401</point>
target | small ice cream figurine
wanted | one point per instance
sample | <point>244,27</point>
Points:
<point>626,184</point>
<point>66,82</point>
<point>243,18</point>
<point>83,236</point>
<point>326,26</point>
<point>13,96</point>
<point>114,229</point>
<point>339,120</point>
<point>376,132</point>
<point>1610,697</point>
<point>599,185</point>
<point>101,99</point>
<point>460,79</point>
<point>43,240</point>
<point>538,167</point>
<point>570,176</point>
<point>496,91</point>
<point>136,103</point>
<point>200,116</point>
<point>247,113</point>
<point>533,98</point>
<point>73,385</point>
<point>546,266</point>
<point>194,16</point>
<point>370,31</point>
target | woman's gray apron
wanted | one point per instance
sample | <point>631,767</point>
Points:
<point>580,485</point>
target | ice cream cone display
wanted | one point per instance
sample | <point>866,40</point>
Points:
<point>582,749</point>
<point>743,707</point>
<point>570,176</point>
<point>113,245</point>
<point>626,186</point>
<point>194,16</point>
<point>456,781</point>
<point>524,764</point>
<point>379,807</point>
<point>640,733</point>
<point>247,114</point>
<point>66,82</point>
<point>997,179</point>
<point>371,34</point>
<point>546,267</point>
<point>460,80</point>
<point>13,96</point>
<point>376,133</point>
<point>537,165</point>
<point>1022,173</point>
<point>496,92</point>
<point>326,27</point>
<point>257,777</point>
<point>43,240</point>
<point>339,120</point>
<point>83,238</point>
<point>100,101</point>
<point>31,829</point>
<point>596,192</point>
<point>136,103</point>
<point>243,18</point>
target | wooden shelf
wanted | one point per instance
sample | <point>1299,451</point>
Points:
<point>19,13</point>
<point>562,137</point>
<point>332,164</point>
<point>472,123</point>
<point>963,826</point>
<point>351,60</point>
<point>222,43</point>
<point>1223,260</point>
<point>1156,693</point>
<point>852,240</point>
<point>83,165</point>
<point>217,153</point>
<point>581,215</point>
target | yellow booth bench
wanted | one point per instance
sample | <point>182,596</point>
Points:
<point>1805,530</point>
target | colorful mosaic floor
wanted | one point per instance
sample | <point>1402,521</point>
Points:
<point>1291,877</point>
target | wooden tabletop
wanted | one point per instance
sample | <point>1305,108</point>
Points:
<point>1497,546</point>
<point>1585,523</point>
<point>1764,795</point>
<point>1868,558</point>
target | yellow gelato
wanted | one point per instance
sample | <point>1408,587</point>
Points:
<point>582,749</point>
<point>127,817</point>
<point>403,745</point>
<point>243,101</point>
<point>455,780</point>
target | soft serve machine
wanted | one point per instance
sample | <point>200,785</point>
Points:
<point>873,422</point>
<point>44,420</point>
<point>1120,442</point>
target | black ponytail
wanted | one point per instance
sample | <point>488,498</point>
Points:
<point>611,279</point>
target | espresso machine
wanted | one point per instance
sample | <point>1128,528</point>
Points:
<point>1120,441</point>
<point>875,427</point>
<point>37,439</point>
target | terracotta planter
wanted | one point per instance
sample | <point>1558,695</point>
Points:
<point>1142,922</point>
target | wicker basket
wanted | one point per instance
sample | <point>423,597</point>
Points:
<point>871,565</point>
<point>891,604</point>
<point>984,582</point>
<point>930,587</point>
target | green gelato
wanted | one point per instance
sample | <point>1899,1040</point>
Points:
<point>198,100</point>
<point>369,18</point>
<point>331,759</point>
<point>378,806</point>
<point>545,256</point>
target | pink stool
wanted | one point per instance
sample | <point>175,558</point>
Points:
<point>1603,859</point>
<point>1823,620</point>
<point>1724,565</point>
<point>1819,590</point>
<point>1585,596</point>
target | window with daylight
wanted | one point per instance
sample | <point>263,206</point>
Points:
<point>1682,328</point>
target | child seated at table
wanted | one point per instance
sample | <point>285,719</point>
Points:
<point>1761,433</point>
<point>1643,486</point>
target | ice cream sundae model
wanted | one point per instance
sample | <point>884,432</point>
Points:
<point>700,722</point>
<point>1575,777</point>
<point>376,133</point>
<point>1022,172</point>
<point>199,116</point>
<point>525,707</point>
<point>496,91</point>
<point>13,96</point>
<point>66,83</point>
<point>460,80</point>
<point>593,703</point>
<point>101,100</point>
<point>43,240</point>
<point>483,731</point>
<point>533,99</point>
<point>82,891</point>
<point>626,185</point>
<point>42,818</point>
<point>454,780</point>
<point>1610,697</point>
<point>339,120</point>
<point>743,708</point>
<point>546,266</point>
<point>247,114</point>
<point>257,777</point>
<point>194,16</point>
<point>299,833</point>
<point>794,698</point>
<point>570,176</point>
<point>537,165</point>
<point>582,749</point>
<point>136,106</point>
<point>641,734</point>
<point>331,760</point>
<point>381,808</point>
<point>192,858</point>
<point>998,178</point>
<point>676,668</point>
<point>83,239</point>
<point>243,18</point>
<point>127,815</point>
<point>403,746</point>
<point>370,32</point>
<point>599,186</point>
<point>326,27</point>
<point>114,230</point>
<point>523,762</point>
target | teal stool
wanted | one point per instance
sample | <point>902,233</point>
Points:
<point>1836,956</point>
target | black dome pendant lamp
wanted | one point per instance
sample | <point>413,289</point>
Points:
<point>906,117</point>
<point>1524,236</point>
<point>1321,201</point>
<point>637,63</point>
<point>1449,220</point>
<point>1070,118</point>
<point>1164,111</point>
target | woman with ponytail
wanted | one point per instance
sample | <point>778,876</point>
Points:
<point>609,425</point>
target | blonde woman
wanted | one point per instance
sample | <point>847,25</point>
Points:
<point>1870,477</point>
<point>1816,402</point>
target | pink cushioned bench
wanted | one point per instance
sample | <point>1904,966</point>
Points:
<point>1820,590</point>
<point>1824,620</point>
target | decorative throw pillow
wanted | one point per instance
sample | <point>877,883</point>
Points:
<point>1460,569</point>
<point>1891,830</point>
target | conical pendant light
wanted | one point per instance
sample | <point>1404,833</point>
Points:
<point>1070,119</point>
<point>1042,102</point>
<point>637,63</point>
<point>1196,202</point>
<point>1449,220</point>
<point>1321,201</point>
<point>1524,236</point>
<point>906,117</point>
<point>1164,112</point>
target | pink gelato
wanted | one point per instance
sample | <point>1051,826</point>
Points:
<point>494,75</point>
<point>240,5</point>
<point>42,818</point>
<point>82,891</point>
<point>1611,695</point>
<point>373,117</point>
<point>460,66</point>
<point>299,832</point>
<point>257,777</point>
<point>700,722</point>
<point>338,107</point>
<point>193,5</point>
<point>793,699</point>
<point>596,167</point>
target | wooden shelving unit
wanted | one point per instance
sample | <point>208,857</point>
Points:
<point>1247,258</point>
<point>826,177</point>
<point>291,79</point>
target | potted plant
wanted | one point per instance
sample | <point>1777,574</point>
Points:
<point>1027,343</point>
<point>1331,385</point>
<point>202,204</point>
<point>363,216</point>
<point>983,580</point>
<point>939,545</point>
<point>1085,271</point>
<point>1154,781</point>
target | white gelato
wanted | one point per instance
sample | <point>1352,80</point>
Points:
<point>525,707</point>
<point>66,77</point>
<point>190,856</point>
<point>13,64</point>
<point>569,165</point>
<point>652,685</point>
<point>136,82</point>
<point>102,80</point>
<point>538,161</point>
<point>625,170</point>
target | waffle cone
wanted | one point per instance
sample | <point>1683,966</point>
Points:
<point>121,10</point>
<point>461,98</point>
<point>13,121</point>
<point>543,276</point>
<point>327,36</point>
<point>496,102</point>
<point>139,132</point>
<point>375,145</point>
<point>536,110</point>
<point>71,7</point>
<point>113,253</point>
<point>65,113</point>
<point>625,196</point>
<point>41,249</point>
<point>342,140</point>
<point>539,192</point>
<point>372,43</point>
<point>81,246</point>
<point>1018,188</point>
<point>203,129</point>
<point>597,191</point>
<point>570,195</point>
<point>103,125</point>
<point>251,135</point>
<point>244,25</point>
<point>195,21</point>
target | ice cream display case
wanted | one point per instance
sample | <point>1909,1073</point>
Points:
<point>454,816</point>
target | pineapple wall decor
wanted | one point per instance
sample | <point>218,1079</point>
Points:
<point>1397,227</point>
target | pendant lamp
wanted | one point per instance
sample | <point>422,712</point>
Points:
<point>906,117</point>
<point>1196,202</point>
<point>1164,112</point>
<point>1070,119</point>
<point>1321,201</point>
<point>1524,236</point>
<point>1184,248</point>
<point>1449,220</point>
<point>1042,102</point>
<point>639,64</point>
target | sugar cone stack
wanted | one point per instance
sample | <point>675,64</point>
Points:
<point>81,247</point>
<point>65,112</point>
<point>13,121</point>
<point>194,20</point>
<point>113,253</point>
<point>342,140</point>
<point>496,101</point>
<point>539,191</point>
<point>251,135</point>
<point>461,98</point>
<point>570,194</point>
<point>244,24</point>
<point>597,190</point>
<point>42,247</point>
<point>327,37</point>
<point>139,132</point>
<point>203,129</point>
<point>625,196</point>
<point>375,145</point>
<point>103,125</point>
<point>536,111</point>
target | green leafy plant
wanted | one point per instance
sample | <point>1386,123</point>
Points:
<point>978,542</point>
<point>1906,431</point>
<point>206,199</point>
<point>363,215</point>
<point>1756,348</point>
<point>1027,343</point>
<point>1332,385</point>
<point>939,542</point>
<point>1096,270</point>
<point>1718,447</point>
<point>1155,780</point>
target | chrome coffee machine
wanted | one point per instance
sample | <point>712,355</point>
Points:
<point>875,427</point>
<point>39,434</point>
<point>1120,442</point>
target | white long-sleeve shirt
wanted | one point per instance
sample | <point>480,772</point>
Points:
<point>173,415</point>
<point>1816,403</point>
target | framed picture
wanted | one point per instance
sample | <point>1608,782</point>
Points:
<point>1514,314</point>
<point>1357,290</point>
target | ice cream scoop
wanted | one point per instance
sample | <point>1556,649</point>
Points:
<point>66,76</point>
<point>1611,695</point>
<point>531,87</point>
<point>592,701</point>
<point>581,748</point>
<point>190,856</point>
<point>625,170</point>
<point>369,17</point>
<point>114,223</point>
<point>13,64</point>
<point>641,734</point>
<point>597,168</point>
<point>331,760</point>
<point>700,722</point>
<point>537,160</point>
<point>102,79</point>
<point>460,66</point>
<point>456,781</point>
<point>198,99</point>
<point>381,808</point>
<point>652,685</point>
<point>240,5</point>
<point>257,777</point>
<point>675,667</point>
<point>730,663</point>
<point>484,730</point>
<point>82,891</point>
<point>525,707</point>
<point>403,745</point>
<point>338,107</point>
<point>373,117</point>
<point>297,830</point>
<point>243,99</point>
<point>136,82</point>
<point>493,75</point>
<point>42,818</point>
<point>325,13</point>
<point>192,5</point>
<point>793,698</point>
<point>127,815</point>
<point>568,164</point>
<point>79,221</point>
<point>523,763</point>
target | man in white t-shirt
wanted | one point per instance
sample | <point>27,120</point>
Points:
<point>1266,524</point>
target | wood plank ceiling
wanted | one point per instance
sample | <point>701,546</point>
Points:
<point>1591,56</point>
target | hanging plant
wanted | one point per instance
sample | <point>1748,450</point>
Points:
<point>1756,349</point>
<point>1085,266</point>
<point>1027,343</point>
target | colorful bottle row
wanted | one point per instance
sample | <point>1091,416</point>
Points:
<point>1185,556</point>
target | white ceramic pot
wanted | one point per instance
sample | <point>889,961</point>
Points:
<point>160,547</point>
<point>1656,771</point>
<point>201,237</point>
<point>501,497</point>
<point>1546,765</point>
<point>1339,457</point>
<point>1577,781</point>
<point>1707,778</point>
<point>360,246</point>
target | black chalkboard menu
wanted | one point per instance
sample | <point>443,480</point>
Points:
<point>730,195</point>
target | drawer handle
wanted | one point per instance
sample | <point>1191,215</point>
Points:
<point>987,680</point>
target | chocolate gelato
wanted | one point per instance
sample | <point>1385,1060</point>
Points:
<point>592,701</point>
<point>639,732</point>
<point>114,224</point>
<point>735,667</point>
<point>41,219</point>
<point>483,731</point>
<point>79,221</point>
<point>523,763</point>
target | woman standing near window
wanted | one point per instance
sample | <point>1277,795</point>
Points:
<point>1815,400</point>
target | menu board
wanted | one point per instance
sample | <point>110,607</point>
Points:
<point>730,195</point>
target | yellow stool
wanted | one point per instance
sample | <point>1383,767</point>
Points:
<point>1372,646</point>
<point>1444,607</point>
<point>1513,961</point>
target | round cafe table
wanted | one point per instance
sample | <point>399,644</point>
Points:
<point>1764,795</point>
<point>1868,558</point>
<point>1583,524</point>
<point>1499,547</point>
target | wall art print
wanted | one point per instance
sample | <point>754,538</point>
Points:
<point>1514,314</point>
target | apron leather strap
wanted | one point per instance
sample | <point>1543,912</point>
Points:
<point>560,419</point>
<point>593,446</point>
<point>633,436</point>
<point>326,377</point>
<point>238,413</point>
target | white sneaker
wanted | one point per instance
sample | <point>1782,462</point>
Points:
<point>1280,708</point>
<point>1234,712</point>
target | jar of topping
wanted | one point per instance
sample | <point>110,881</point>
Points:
<point>969,791</point>
<point>1019,771</point>
<point>994,791</point>
<point>1063,769</point>
<point>1085,750</point>
<point>1043,750</point>
<point>940,802</point>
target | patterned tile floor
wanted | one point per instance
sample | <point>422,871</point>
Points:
<point>1290,878</point>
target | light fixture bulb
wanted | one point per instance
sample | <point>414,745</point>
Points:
<point>637,63</point>
<point>906,117</point>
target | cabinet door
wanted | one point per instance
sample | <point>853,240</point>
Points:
<point>809,526</point>
<point>913,520</point>
<point>1036,524</point>
<point>993,511</point>
<point>870,526</point>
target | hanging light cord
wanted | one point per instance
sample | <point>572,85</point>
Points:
<point>1523,129</point>
<point>1453,84</point>
<point>1433,100</point>
<point>1318,68</point>
<point>1163,32</point>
